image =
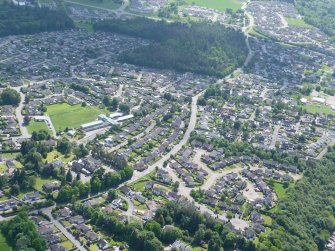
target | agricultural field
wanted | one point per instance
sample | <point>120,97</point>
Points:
<point>35,126</point>
<point>220,5</point>
<point>107,4</point>
<point>67,116</point>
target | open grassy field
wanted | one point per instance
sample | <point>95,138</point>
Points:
<point>220,5</point>
<point>315,108</point>
<point>107,4</point>
<point>3,244</point>
<point>297,22</point>
<point>35,126</point>
<point>65,115</point>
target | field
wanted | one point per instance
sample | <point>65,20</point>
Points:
<point>3,244</point>
<point>220,5</point>
<point>67,116</point>
<point>314,108</point>
<point>107,4</point>
<point>35,126</point>
<point>297,22</point>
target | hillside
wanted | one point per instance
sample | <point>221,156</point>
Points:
<point>17,20</point>
<point>203,48</point>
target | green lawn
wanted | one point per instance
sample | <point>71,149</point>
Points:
<point>3,244</point>
<point>3,167</point>
<point>297,22</point>
<point>220,5</point>
<point>65,115</point>
<point>139,186</point>
<point>280,190</point>
<point>55,155</point>
<point>40,182</point>
<point>267,220</point>
<point>108,4</point>
<point>35,126</point>
<point>315,108</point>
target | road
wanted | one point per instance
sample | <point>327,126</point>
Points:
<point>118,12</point>
<point>324,151</point>
<point>274,137</point>
<point>47,211</point>
<point>193,120</point>
<point>245,30</point>
<point>19,116</point>
<point>140,135</point>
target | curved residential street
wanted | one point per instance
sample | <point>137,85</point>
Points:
<point>193,120</point>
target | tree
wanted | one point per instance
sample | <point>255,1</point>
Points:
<point>215,243</point>
<point>26,120</point>
<point>22,233</point>
<point>14,190</point>
<point>65,194</point>
<point>170,234</point>
<point>124,108</point>
<point>3,180</point>
<point>154,227</point>
<point>69,176</point>
<point>64,146</point>
<point>96,184</point>
<point>114,104</point>
<point>80,151</point>
<point>84,189</point>
<point>198,236</point>
<point>112,195</point>
<point>10,97</point>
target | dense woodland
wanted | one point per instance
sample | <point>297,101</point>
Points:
<point>202,48</point>
<point>319,13</point>
<point>305,219</point>
<point>17,20</point>
<point>173,221</point>
<point>9,97</point>
<point>21,233</point>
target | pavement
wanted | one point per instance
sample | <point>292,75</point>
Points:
<point>192,123</point>
<point>19,116</point>
<point>47,211</point>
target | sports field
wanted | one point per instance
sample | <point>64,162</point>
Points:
<point>220,5</point>
<point>318,109</point>
<point>64,115</point>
